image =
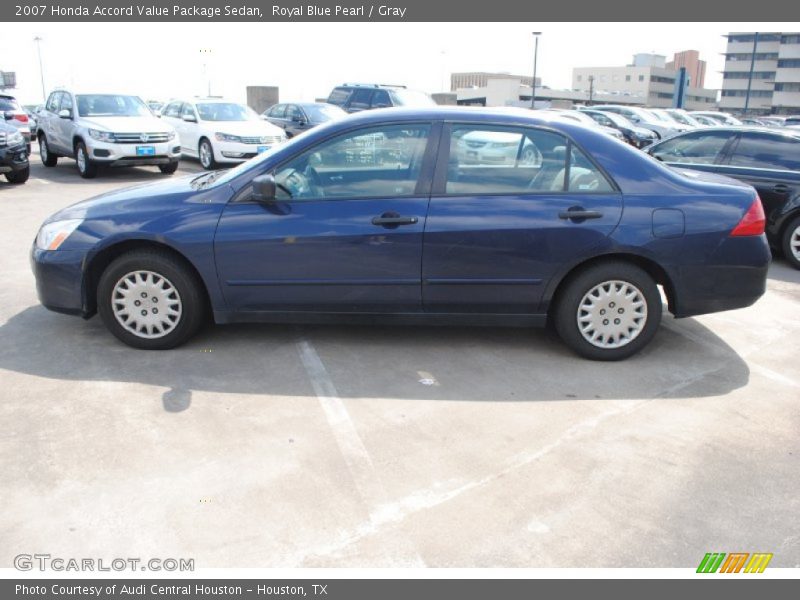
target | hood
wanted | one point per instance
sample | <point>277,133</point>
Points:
<point>127,124</point>
<point>244,128</point>
<point>146,199</point>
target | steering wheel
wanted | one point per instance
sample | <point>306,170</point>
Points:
<point>314,181</point>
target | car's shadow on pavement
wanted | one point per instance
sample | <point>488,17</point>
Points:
<point>685,359</point>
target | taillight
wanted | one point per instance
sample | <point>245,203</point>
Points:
<point>753,221</point>
<point>21,117</point>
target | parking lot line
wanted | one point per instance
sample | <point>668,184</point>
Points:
<point>354,452</point>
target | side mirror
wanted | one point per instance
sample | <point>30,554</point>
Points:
<point>7,116</point>
<point>65,113</point>
<point>264,189</point>
<point>189,118</point>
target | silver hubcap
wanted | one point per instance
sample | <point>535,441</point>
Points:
<point>205,155</point>
<point>146,304</point>
<point>81,158</point>
<point>612,314</point>
<point>794,243</point>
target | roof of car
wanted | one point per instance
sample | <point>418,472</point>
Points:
<point>745,129</point>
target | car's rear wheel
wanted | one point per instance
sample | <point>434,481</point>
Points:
<point>609,311</point>
<point>86,167</point>
<point>150,299</point>
<point>48,158</point>
<point>20,176</point>
<point>206,154</point>
<point>791,243</point>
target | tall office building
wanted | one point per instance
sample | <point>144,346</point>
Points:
<point>762,73</point>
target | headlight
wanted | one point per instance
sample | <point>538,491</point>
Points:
<point>52,235</point>
<point>227,137</point>
<point>102,136</point>
<point>170,136</point>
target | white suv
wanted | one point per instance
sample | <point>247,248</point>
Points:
<point>105,129</point>
<point>219,131</point>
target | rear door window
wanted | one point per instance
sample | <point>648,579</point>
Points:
<point>497,161</point>
<point>765,151</point>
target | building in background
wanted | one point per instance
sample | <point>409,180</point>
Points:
<point>480,79</point>
<point>647,80</point>
<point>762,74</point>
<point>695,68</point>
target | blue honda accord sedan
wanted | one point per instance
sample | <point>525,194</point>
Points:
<point>440,216</point>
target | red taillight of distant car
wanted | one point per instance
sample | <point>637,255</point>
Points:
<point>753,221</point>
<point>21,117</point>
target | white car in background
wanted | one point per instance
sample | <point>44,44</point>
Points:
<point>218,131</point>
<point>720,117</point>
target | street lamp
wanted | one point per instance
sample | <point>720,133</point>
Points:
<point>591,89</point>
<point>536,35</point>
<point>38,40</point>
<point>750,76</point>
<point>206,57</point>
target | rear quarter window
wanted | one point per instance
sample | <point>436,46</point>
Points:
<point>338,96</point>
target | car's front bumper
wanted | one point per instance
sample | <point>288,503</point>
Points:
<point>236,152</point>
<point>14,158</point>
<point>59,280</point>
<point>126,155</point>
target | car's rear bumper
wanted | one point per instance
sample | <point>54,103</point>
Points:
<point>735,276</point>
<point>59,280</point>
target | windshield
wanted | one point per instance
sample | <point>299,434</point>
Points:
<point>618,120</point>
<point>682,118</point>
<point>662,116</point>
<point>412,98</point>
<point>111,105</point>
<point>225,111</point>
<point>323,112</point>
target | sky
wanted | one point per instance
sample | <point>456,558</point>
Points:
<point>306,60</point>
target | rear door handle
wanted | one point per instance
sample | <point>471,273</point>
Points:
<point>393,220</point>
<point>579,214</point>
<point>781,188</point>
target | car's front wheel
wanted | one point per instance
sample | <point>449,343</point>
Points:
<point>86,167</point>
<point>48,158</point>
<point>609,311</point>
<point>20,176</point>
<point>206,154</point>
<point>791,243</point>
<point>150,299</point>
<point>169,168</point>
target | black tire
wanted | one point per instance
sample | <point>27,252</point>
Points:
<point>207,156</point>
<point>566,311</point>
<point>20,176</point>
<point>86,167</point>
<point>48,158</point>
<point>169,169</point>
<point>787,242</point>
<point>189,293</point>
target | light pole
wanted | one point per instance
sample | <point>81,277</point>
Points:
<point>591,89</point>
<point>206,55</point>
<point>536,35</point>
<point>750,76</point>
<point>38,40</point>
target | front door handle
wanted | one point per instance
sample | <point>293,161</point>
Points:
<point>578,214</point>
<point>781,188</point>
<point>393,219</point>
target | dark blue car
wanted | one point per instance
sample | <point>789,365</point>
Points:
<point>440,216</point>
